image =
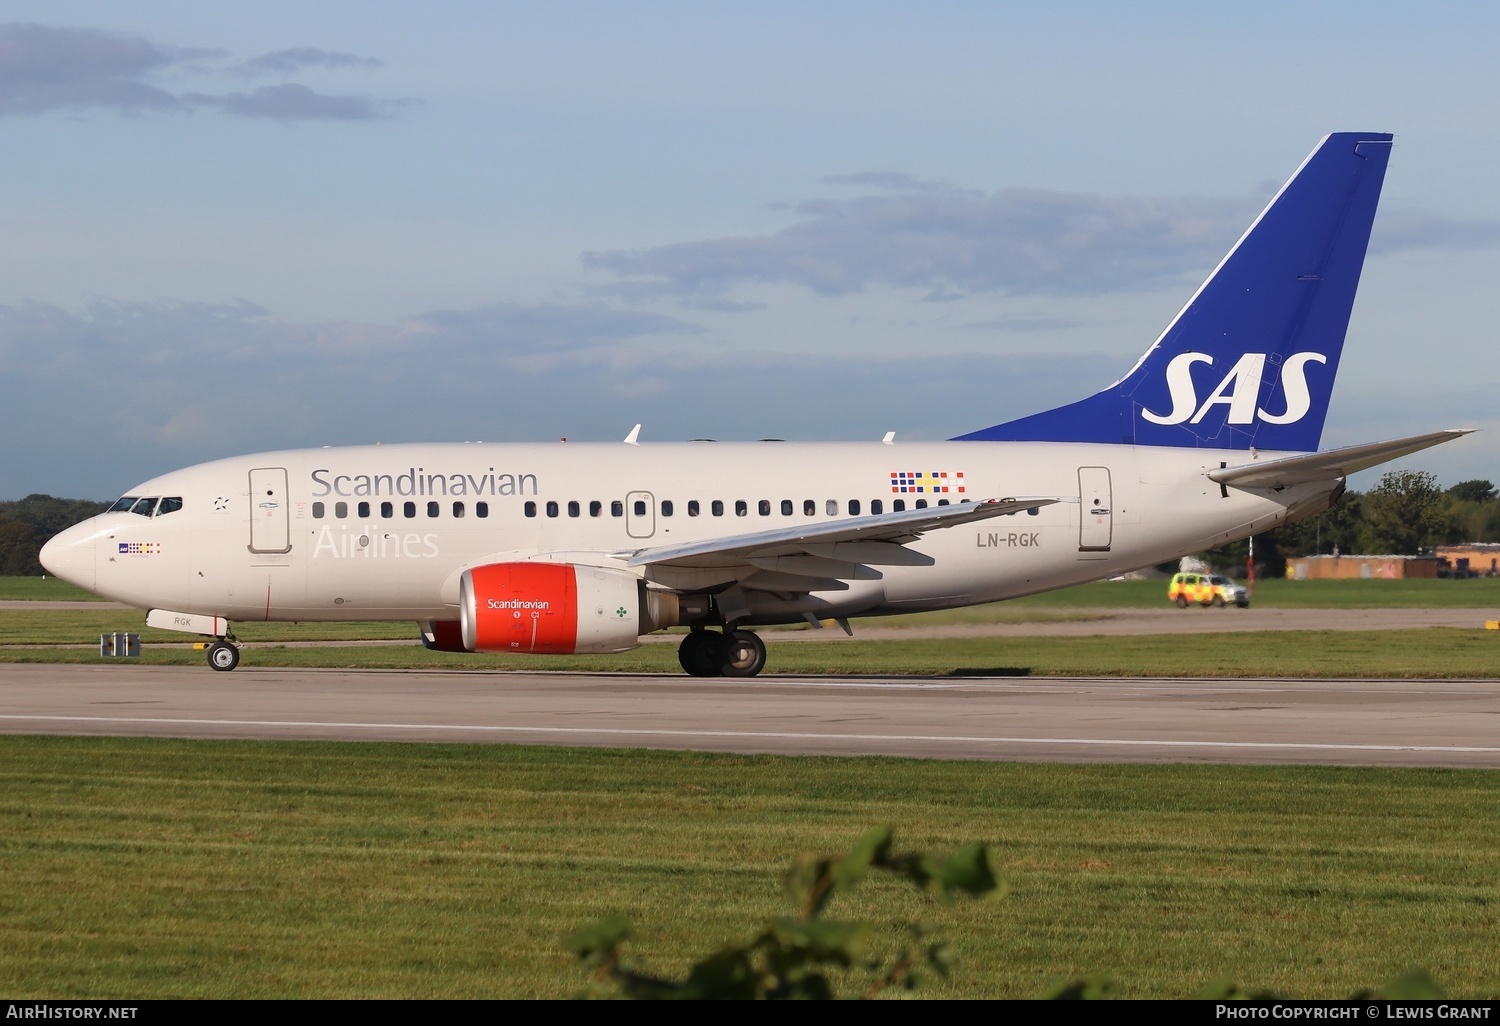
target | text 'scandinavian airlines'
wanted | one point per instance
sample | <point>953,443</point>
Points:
<point>1210,437</point>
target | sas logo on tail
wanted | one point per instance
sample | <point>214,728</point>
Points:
<point>1238,390</point>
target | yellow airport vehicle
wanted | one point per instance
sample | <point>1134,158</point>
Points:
<point>1206,590</point>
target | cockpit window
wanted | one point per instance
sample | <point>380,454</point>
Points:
<point>170,504</point>
<point>144,506</point>
<point>123,504</point>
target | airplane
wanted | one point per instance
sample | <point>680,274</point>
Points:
<point>565,548</point>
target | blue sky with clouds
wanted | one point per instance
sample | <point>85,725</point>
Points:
<point>227,228</point>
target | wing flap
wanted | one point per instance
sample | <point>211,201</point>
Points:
<point>816,566</point>
<point>829,537</point>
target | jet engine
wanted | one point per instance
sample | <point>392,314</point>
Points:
<point>558,609</point>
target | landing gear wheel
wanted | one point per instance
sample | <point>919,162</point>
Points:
<point>1181,602</point>
<point>744,654</point>
<point>223,656</point>
<point>701,653</point>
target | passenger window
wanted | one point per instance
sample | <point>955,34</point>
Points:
<point>364,509</point>
<point>122,504</point>
<point>595,508</point>
<point>552,509</point>
<point>854,507</point>
<point>764,506</point>
<point>432,510</point>
<point>616,508</point>
<point>898,505</point>
<point>144,506</point>
<point>640,507</point>
<point>481,510</point>
<point>387,510</point>
<point>717,508</point>
<point>341,510</point>
<point>531,509</point>
<point>741,508</point>
<point>458,509</point>
<point>786,507</point>
<point>944,502</point>
<point>317,511</point>
<point>809,508</point>
<point>876,507</point>
<point>408,510</point>
<point>693,509</point>
<point>1032,512</point>
<point>171,504</point>
<point>832,507</point>
<point>573,508</point>
<point>666,507</point>
<point>921,504</point>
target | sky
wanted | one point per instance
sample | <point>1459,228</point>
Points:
<point>235,228</point>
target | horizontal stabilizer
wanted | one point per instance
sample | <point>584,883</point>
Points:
<point>1324,466</point>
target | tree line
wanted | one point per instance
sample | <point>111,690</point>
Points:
<point>1406,513</point>
<point>26,524</point>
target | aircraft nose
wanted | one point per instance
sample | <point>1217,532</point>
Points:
<point>70,555</point>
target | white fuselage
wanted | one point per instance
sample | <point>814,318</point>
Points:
<point>384,532</point>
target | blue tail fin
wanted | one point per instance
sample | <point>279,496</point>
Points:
<point>1250,361</point>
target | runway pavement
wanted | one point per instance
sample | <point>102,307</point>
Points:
<point>1409,723</point>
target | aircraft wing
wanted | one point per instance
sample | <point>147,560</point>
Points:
<point>1323,466</point>
<point>837,549</point>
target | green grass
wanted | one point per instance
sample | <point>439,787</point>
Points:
<point>139,868</point>
<point>79,626</point>
<point>42,626</point>
<point>43,589</point>
<point>1284,594</point>
<point>1418,653</point>
<point>1352,594</point>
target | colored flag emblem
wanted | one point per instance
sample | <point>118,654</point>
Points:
<point>927,482</point>
<point>140,548</point>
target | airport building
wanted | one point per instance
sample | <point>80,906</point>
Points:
<point>1476,559</point>
<point>1393,568</point>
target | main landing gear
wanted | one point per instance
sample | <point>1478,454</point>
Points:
<point>736,653</point>
<point>223,654</point>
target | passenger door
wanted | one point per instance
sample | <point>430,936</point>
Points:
<point>1095,514</point>
<point>270,524</point>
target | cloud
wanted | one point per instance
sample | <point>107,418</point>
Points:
<point>548,328</point>
<point>96,400</point>
<point>896,181</point>
<point>1014,242</point>
<point>952,242</point>
<point>45,69</point>
<point>1404,230</point>
<point>286,62</point>
<point>292,102</point>
<point>1023,324</point>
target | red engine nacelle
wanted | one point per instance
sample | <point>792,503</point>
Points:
<point>551,608</point>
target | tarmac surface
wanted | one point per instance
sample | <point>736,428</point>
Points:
<point>1350,722</point>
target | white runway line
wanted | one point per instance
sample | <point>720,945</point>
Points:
<point>756,734</point>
